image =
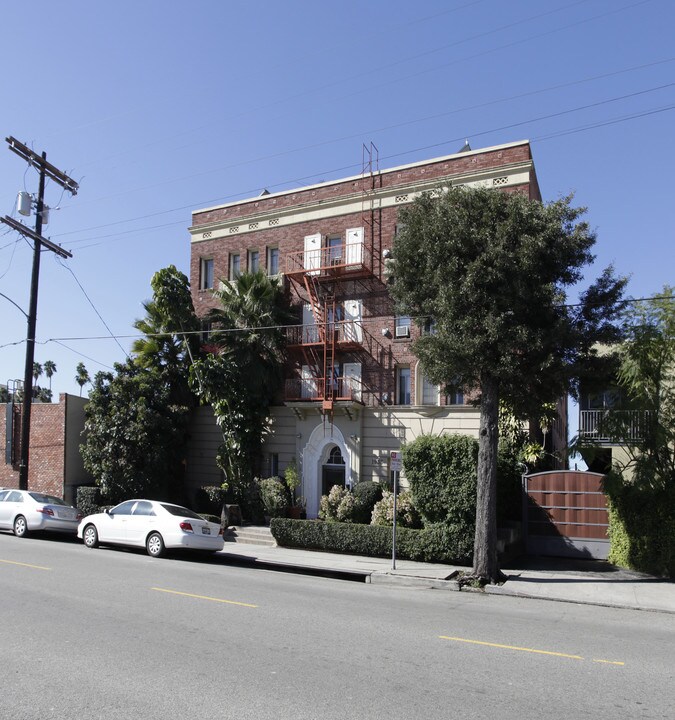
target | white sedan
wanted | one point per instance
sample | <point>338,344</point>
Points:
<point>24,511</point>
<point>151,524</point>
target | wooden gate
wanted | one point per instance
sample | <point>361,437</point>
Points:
<point>566,514</point>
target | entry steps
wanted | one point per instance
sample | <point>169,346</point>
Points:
<point>251,535</point>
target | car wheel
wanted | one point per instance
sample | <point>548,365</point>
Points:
<point>154,545</point>
<point>90,536</point>
<point>20,526</point>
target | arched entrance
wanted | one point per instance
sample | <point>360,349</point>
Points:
<point>333,470</point>
<point>320,450</point>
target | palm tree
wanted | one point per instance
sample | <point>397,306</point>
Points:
<point>82,377</point>
<point>244,374</point>
<point>50,369</point>
<point>246,328</point>
<point>37,371</point>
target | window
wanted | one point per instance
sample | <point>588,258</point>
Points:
<point>334,245</point>
<point>273,261</point>
<point>403,385</point>
<point>253,261</point>
<point>205,334</point>
<point>274,464</point>
<point>402,326</point>
<point>15,496</point>
<point>143,508</point>
<point>454,396</point>
<point>335,457</point>
<point>429,392</point>
<point>429,326</point>
<point>123,508</point>
<point>206,273</point>
<point>235,266</point>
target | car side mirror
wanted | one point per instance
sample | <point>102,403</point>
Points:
<point>107,511</point>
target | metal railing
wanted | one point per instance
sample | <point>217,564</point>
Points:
<point>613,426</point>
<point>315,389</point>
<point>330,260</point>
<point>345,331</point>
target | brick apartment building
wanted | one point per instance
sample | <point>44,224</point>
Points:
<point>354,390</point>
<point>55,464</point>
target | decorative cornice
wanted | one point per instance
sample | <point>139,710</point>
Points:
<point>508,175</point>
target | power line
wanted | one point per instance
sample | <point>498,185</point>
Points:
<point>399,79</point>
<point>412,151</point>
<point>84,292</point>
<point>231,331</point>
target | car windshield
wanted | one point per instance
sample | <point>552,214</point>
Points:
<point>47,499</point>
<point>181,511</point>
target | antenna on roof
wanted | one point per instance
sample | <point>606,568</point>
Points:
<point>465,148</point>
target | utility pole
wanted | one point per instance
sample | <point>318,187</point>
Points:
<point>47,170</point>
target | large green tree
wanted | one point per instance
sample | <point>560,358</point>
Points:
<point>134,434</point>
<point>646,377</point>
<point>137,417</point>
<point>242,374</point>
<point>492,269</point>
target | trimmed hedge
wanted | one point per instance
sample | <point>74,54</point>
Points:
<point>89,500</point>
<point>441,543</point>
<point>442,472</point>
<point>366,494</point>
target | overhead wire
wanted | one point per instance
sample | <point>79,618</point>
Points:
<point>84,292</point>
<point>397,80</point>
<point>509,126</point>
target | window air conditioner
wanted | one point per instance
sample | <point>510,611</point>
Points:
<point>403,331</point>
<point>336,261</point>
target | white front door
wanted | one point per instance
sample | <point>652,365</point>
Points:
<point>354,246</point>
<point>312,253</point>
<point>353,328</point>
<point>352,378</point>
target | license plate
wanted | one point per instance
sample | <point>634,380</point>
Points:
<point>206,530</point>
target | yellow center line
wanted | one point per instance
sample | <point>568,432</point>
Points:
<point>35,567</point>
<point>512,647</point>
<point>610,662</point>
<point>204,597</point>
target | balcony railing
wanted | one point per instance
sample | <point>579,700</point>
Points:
<point>317,389</point>
<point>330,261</point>
<point>345,332</point>
<point>613,426</point>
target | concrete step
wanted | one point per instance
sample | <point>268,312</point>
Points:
<point>251,535</point>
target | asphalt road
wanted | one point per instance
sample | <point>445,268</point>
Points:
<point>111,633</point>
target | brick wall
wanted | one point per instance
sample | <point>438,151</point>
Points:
<point>380,354</point>
<point>46,460</point>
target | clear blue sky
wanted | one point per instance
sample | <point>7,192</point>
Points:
<point>159,108</point>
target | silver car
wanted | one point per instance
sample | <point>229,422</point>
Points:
<point>24,511</point>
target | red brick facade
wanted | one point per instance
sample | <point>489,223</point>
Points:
<point>54,465</point>
<point>283,220</point>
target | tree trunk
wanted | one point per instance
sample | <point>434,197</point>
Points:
<point>485,567</point>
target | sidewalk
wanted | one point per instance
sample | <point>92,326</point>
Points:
<point>578,581</point>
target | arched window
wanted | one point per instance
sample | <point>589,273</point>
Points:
<point>335,457</point>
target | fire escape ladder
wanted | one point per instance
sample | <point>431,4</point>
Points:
<point>312,287</point>
<point>329,349</point>
<point>370,171</point>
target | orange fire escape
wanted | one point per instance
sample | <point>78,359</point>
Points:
<point>317,273</point>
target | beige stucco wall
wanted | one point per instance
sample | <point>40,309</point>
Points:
<point>365,437</point>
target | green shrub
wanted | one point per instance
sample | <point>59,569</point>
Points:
<point>366,494</point>
<point>443,543</point>
<point>406,513</point>
<point>442,473</point>
<point>89,500</point>
<point>338,505</point>
<point>274,496</point>
<point>641,526</point>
